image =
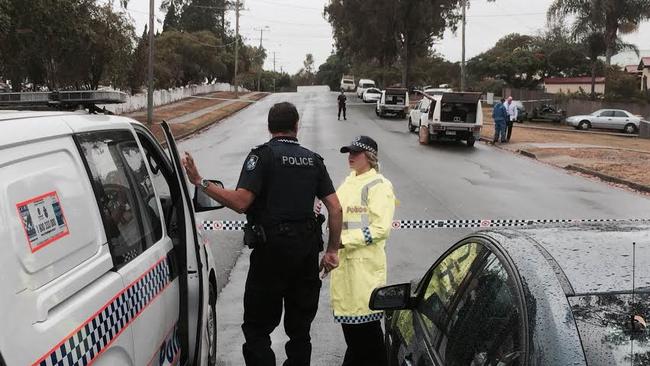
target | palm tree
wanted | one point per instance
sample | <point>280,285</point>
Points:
<point>590,30</point>
<point>615,17</point>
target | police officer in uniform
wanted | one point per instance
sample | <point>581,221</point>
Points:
<point>277,188</point>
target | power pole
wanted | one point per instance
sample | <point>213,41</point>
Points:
<point>462,62</point>
<point>150,67</point>
<point>259,74</point>
<point>236,47</point>
<point>274,71</point>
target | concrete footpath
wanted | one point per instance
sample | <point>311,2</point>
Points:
<point>190,115</point>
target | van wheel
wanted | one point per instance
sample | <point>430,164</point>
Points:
<point>630,128</point>
<point>212,326</point>
<point>377,113</point>
<point>470,141</point>
<point>584,125</point>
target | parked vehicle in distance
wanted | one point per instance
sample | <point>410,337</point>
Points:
<point>393,101</point>
<point>364,84</point>
<point>534,296</point>
<point>548,113</point>
<point>347,83</point>
<point>522,114</point>
<point>371,95</point>
<point>453,116</point>
<point>420,111</point>
<point>614,119</point>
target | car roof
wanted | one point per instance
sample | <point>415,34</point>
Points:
<point>18,127</point>
<point>366,81</point>
<point>595,257</point>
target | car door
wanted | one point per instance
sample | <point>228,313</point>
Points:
<point>604,120</point>
<point>142,251</point>
<point>415,113</point>
<point>194,265</point>
<point>485,324</point>
<point>421,327</point>
<point>620,120</point>
<point>469,310</point>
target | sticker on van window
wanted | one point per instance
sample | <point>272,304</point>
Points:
<point>43,220</point>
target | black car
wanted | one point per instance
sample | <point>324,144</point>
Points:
<point>539,296</point>
<point>548,113</point>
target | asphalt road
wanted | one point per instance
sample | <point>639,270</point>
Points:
<point>440,181</point>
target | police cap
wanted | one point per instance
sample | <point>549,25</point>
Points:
<point>361,143</point>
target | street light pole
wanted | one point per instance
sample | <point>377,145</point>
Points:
<point>462,62</point>
<point>236,47</point>
<point>150,66</point>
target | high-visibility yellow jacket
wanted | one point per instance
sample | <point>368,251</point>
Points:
<point>368,205</point>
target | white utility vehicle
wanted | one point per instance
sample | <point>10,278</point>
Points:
<point>452,116</point>
<point>347,83</point>
<point>420,111</point>
<point>393,101</point>
<point>371,95</point>
<point>364,84</point>
<point>101,259</point>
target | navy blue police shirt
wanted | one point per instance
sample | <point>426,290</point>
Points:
<point>286,178</point>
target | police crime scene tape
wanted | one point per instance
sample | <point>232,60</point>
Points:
<point>237,225</point>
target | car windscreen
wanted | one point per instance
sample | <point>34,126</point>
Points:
<point>605,325</point>
<point>367,85</point>
<point>373,91</point>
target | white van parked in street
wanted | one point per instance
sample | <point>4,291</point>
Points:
<point>364,84</point>
<point>347,83</point>
<point>101,259</point>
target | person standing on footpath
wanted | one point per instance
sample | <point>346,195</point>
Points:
<point>512,110</point>
<point>500,115</point>
<point>277,188</point>
<point>342,99</point>
<point>368,206</point>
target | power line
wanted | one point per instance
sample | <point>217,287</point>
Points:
<point>287,5</point>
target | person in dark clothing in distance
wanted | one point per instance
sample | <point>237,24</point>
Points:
<point>342,99</point>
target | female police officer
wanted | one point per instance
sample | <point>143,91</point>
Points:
<point>277,188</point>
<point>368,205</point>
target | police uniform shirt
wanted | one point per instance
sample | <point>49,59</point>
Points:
<point>342,99</point>
<point>285,178</point>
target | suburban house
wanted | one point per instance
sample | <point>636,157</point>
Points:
<point>644,70</point>
<point>573,85</point>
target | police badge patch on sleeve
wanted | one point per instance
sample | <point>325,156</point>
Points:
<point>251,163</point>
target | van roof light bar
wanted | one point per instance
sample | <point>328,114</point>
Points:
<point>62,100</point>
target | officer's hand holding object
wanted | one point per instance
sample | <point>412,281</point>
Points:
<point>191,170</point>
<point>329,262</point>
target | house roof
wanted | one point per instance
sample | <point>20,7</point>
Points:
<point>632,69</point>
<point>577,80</point>
<point>645,63</point>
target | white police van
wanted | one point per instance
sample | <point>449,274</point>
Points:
<point>101,259</point>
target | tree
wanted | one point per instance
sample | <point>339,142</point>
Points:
<point>392,30</point>
<point>200,15</point>
<point>309,63</point>
<point>590,30</point>
<point>611,17</point>
<point>171,17</point>
<point>330,72</point>
<point>138,65</point>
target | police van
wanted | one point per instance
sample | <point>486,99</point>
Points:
<point>101,259</point>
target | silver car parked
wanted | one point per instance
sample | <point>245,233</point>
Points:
<point>614,119</point>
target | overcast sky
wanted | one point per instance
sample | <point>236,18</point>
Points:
<point>298,28</point>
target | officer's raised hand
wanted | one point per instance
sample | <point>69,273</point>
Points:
<point>191,169</point>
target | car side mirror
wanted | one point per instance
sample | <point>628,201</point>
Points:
<point>394,297</point>
<point>203,202</point>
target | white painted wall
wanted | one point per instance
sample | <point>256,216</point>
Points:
<point>166,96</point>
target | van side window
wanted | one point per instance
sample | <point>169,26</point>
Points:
<point>124,193</point>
